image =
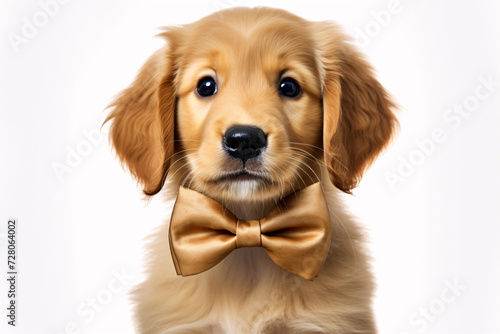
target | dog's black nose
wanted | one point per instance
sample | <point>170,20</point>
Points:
<point>244,142</point>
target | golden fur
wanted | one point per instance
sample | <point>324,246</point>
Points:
<point>331,133</point>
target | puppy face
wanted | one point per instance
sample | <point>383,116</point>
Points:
<point>249,103</point>
<point>246,104</point>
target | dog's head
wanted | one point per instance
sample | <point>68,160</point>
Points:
<point>248,103</point>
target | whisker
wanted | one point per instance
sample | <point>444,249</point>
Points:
<point>281,180</point>
<point>284,175</point>
<point>318,161</point>
<point>192,178</point>
<point>184,157</point>
<point>183,182</point>
<point>319,148</point>
<point>302,162</point>
<point>187,163</point>
<point>172,155</point>
<point>294,164</point>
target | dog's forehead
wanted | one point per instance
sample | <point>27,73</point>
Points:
<point>247,44</point>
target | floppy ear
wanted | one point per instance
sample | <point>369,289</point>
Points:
<point>142,131</point>
<point>358,120</point>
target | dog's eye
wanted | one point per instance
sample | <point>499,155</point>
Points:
<point>289,87</point>
<point>206,87</point>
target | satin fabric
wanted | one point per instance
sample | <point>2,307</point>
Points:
<point>295,234</point>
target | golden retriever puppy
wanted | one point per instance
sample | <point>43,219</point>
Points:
<point>246,106</point>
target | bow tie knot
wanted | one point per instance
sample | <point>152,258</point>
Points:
<point>248,233</point>
<point>295,234</point>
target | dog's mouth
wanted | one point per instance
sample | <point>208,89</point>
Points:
<point>243,175</point>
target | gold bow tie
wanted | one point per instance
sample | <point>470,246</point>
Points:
<point>295,234</point>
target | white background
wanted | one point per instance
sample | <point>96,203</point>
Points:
<point>440,223</point>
